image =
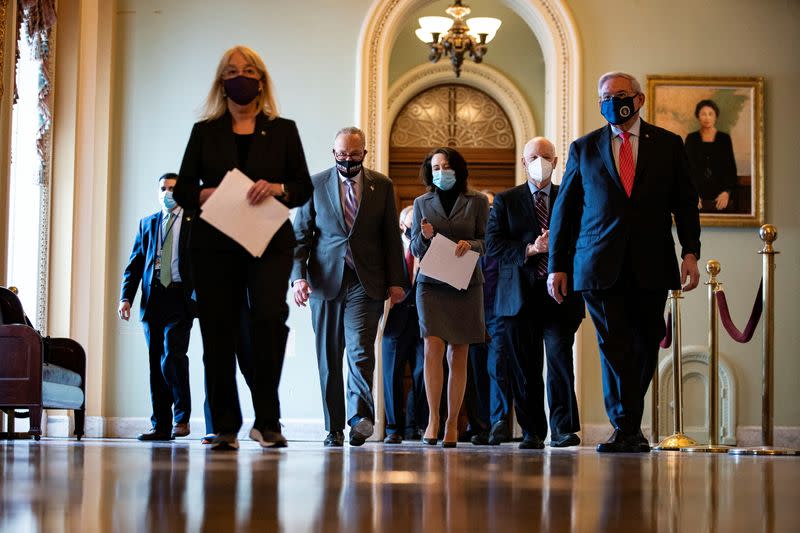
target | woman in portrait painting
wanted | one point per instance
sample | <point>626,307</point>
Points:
<point>713,166</point>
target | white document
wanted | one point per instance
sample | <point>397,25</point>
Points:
<point>252,226</point>
<point>440,262</point>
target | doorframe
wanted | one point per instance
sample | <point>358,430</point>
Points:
<point>482,77</point>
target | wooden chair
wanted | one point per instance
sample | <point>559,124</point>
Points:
<point>37,372</point>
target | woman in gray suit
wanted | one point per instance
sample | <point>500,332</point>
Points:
<point>448,316</point>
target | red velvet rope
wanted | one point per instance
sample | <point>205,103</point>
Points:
<point>755,316</point>
<point>666,342</point>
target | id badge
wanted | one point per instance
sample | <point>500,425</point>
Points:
<point>158,263</point>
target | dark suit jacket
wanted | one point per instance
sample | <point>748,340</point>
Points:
<point>141,266</point>
<point>402,312</point>
<point>467,221</point>
<point>276,155</point>
<point>512,226</point>
<point>594,217</point>
<point>322,238</point>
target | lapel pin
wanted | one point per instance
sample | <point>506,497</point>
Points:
<point>263,133</point>
<point>188,219</point>
<point>372,187</point>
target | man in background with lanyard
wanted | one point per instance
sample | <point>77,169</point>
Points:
<point>160,261</point>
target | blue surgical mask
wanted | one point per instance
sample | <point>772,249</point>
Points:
<point>444,179</point>
<point>167,201</point>
<point>618,110</point>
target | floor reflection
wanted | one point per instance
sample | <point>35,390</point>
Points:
<point>60,485</point>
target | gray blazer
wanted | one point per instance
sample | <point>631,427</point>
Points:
<point>467,221</point>
<point>322,238</point>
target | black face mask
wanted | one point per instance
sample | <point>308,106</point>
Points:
<point>241,89</point>
<point>407,233</point>
<point>349,168</point>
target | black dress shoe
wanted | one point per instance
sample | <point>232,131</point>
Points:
<point>335,439</point>
<point>564,440</point>
<point>480,439</point>
<point>412,434</point>
<point>154,435</point>
<point>449,444</point>
<point>531,442</point>
<point>356,438</point>
<point>393,438</point>
<point>499,433</point>
<point>621,442</point>
<point>430,442</point>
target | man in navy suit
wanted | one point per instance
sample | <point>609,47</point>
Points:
<point>517,234</point>
<point>611,237</point>
<point>402,344</point>
<point>159,261</point>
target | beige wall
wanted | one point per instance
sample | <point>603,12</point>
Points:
<point>164,57</point>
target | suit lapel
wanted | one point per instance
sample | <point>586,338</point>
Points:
<point>607,155</point>
<point>643,154</point>
<point>367,190</point>
<point>526,202</point>
<point>259,143</point>
<point>461,203</point>
<point>436,205</point>
<point>332,189</point>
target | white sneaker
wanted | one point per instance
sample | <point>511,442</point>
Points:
<point>225,442</point>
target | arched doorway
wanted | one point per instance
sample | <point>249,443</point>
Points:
<point>460,117</point>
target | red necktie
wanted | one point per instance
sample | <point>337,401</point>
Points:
<point>626,167</point>
<point>410,265</point>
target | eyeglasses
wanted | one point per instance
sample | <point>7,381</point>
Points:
<point>621,94</point>
<point>350,155</point>
<point>249,71</point>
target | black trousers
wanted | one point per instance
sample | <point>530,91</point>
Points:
<point>629,323</point>
<point>222,280</point>
<point>167,327</point>
<point>407,347</point>
<point>543,327</point>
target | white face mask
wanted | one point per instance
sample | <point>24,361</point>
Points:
<point>540,169</point>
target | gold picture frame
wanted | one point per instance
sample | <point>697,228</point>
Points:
<point>672,103</point>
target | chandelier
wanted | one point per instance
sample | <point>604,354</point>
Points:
<point>456,37</point>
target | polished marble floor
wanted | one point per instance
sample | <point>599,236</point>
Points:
<point>121,485</point>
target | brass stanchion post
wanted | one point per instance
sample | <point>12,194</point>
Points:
<point>713,268</point>
<point>677,440</point>
<point>768,233</point>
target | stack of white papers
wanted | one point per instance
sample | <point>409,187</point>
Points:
<point>252,226</point>
<point>440,262</point>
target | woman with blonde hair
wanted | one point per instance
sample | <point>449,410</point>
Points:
<point>240,128</point>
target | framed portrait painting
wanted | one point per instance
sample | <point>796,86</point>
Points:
<point>721,121</point>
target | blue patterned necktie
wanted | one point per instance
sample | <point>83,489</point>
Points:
<point>542,219</point>
<point>350,210</point>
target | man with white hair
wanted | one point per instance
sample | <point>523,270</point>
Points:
<point>517,235</point>
<point>611,239</point>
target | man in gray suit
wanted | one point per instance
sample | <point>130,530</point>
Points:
<point>348,259</point>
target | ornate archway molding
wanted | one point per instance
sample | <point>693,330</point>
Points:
<point>479,76</point>
<point>552,24</point>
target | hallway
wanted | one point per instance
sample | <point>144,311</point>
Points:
<point>121,485</point>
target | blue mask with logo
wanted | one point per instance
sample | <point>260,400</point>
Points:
<point>618,110</point>
<point>444,179</point>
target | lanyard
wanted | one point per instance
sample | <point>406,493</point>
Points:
<point>161,237</point>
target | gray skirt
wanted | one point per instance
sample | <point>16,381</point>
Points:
<point>452,315</point>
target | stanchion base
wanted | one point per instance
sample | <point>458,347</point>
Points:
<point>13,435</point>
<point>678,441</point>
<point>764,450</point>
<point>708,448</point>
